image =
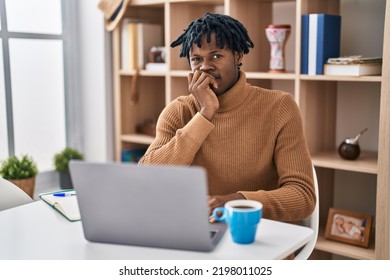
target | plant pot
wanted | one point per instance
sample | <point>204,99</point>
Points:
<point>27,185</point>
<point>65,181</point>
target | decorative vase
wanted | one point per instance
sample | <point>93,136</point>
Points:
<point>277,36</point>
<point>349,150</point>
<point>27,185</point>
<point>65,180</point>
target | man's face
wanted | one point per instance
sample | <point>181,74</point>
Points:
<point>222,64</point>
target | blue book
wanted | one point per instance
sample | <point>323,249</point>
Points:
<point>305,45</point>
<point>320,40</point>
<point>132,155</point>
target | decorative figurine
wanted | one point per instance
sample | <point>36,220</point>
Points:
<point>277,36</point>
<point>349,148</point>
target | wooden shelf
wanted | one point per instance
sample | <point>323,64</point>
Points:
<point>366,163</point>
<point>137,139</point>
<point>341,78</point>
<point>179,73</point>
<point>145,73</point>
<point>147,2</point>
<point>212,2</point>
<point>271,76</point>
<point>346,250</point>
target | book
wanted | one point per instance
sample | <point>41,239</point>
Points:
<point>358,69</point>
<point>132,155</point>
<point>354,59</point>
<point>160,67</point>
<point>65,205</point>
<point>124,53</point>
<point>305,45</point>
<point>129,52</point>
<point>132,46</point>
<point>320,41</point>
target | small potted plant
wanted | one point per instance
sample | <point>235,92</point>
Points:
<point>21,171</point>
<point>61,165</point>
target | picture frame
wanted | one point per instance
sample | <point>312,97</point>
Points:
<point>348,227</point>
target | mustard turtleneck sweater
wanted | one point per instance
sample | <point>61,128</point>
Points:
<point>254,145</point>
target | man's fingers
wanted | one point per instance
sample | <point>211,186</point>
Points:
<point>201,79</point>
<point>212,219</point>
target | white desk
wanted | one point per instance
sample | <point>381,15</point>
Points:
<point>35,231</point>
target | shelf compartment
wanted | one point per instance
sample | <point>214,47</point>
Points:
<point>271,76</point>
<point>346,250</point>
<point>196,2</point>
<point>179,73</point>
<point>137,139</point>
<point>148,105</point>
<point>366,163</point>
<point>257,60</point>
<point>180,14</point>
<point>144,73</point>
<point>147,3</point>
<point>341,78</point>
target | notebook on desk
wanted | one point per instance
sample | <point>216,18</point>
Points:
<point>66,205</point>
<point>154,206</point>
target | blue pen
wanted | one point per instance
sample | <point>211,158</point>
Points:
<point>63,194</point>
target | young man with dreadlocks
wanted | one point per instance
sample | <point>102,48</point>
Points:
<point>249,139</point>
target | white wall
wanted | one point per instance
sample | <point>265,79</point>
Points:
<point>95,86</point>
<point>90,105</point>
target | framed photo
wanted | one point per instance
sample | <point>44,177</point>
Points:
<point>348,227</point>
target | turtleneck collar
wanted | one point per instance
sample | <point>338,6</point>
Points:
<point>235,96</point>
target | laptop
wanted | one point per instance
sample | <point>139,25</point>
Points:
<point>150,205</point>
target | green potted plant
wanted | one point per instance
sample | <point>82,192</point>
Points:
<point>61,165</point>
<point>21,171</point>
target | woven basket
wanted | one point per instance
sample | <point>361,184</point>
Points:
<point>27,185</point>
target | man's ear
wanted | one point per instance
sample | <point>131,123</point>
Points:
<point>238,57</point>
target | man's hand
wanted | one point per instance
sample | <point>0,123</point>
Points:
<point>200,85</point>
<point>220,200</point>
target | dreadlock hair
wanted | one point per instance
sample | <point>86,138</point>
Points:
<point>227,31</point>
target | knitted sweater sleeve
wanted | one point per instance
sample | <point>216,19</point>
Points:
<point>294,199</point>
<point>179,136</point>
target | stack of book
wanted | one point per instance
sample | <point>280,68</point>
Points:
<point>320,41</point>
<point>353,66</point>
<point>132,155</point>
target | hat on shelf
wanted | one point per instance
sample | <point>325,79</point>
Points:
<point>113,11</point>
